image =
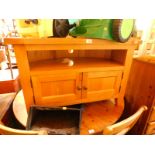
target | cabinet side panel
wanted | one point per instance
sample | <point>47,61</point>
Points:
<point>40,55</point>
<point>24,74</point>
<point>127,65</point>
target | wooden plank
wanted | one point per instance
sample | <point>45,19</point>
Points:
<point>56,41</point>
<point>69,43</point>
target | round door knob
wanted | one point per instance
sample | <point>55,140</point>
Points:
<point>79,88</point>
<point>85,88</point>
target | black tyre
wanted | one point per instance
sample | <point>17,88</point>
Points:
<point>122,29</point>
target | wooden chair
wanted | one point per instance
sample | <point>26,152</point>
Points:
<point>125,125</point>
<point>4,130</point>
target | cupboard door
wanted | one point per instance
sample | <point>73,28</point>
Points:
<point>100,85</point>
<point>152,117</point>
<point>58,89</point>
<point>150,128</point>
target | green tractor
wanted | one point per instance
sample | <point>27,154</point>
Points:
<point>112,29</point>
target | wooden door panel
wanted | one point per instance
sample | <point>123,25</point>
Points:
<point>56,89</point>
<point>100,85</point>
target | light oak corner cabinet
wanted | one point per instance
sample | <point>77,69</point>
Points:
<point>67,71</point>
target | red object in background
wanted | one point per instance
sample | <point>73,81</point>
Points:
<point>7,83</point>
<point>2,56</point>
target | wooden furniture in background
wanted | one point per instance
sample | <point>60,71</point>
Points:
<point>99,71</point>
<point>125,125</point>
<point>95,116</point>
<point>8,83</point>
<point>141,91</point>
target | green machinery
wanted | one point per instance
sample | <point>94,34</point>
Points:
<point>112,29</point>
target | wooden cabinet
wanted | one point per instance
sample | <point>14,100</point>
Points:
<point>141,91</point>
<point>97,70</point>
<point>8,83</point>
<point>75,87</point>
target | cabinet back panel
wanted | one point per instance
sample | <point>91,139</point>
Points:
<point>40,55</point>
<point>44,55</point>
<point>119,56</point>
